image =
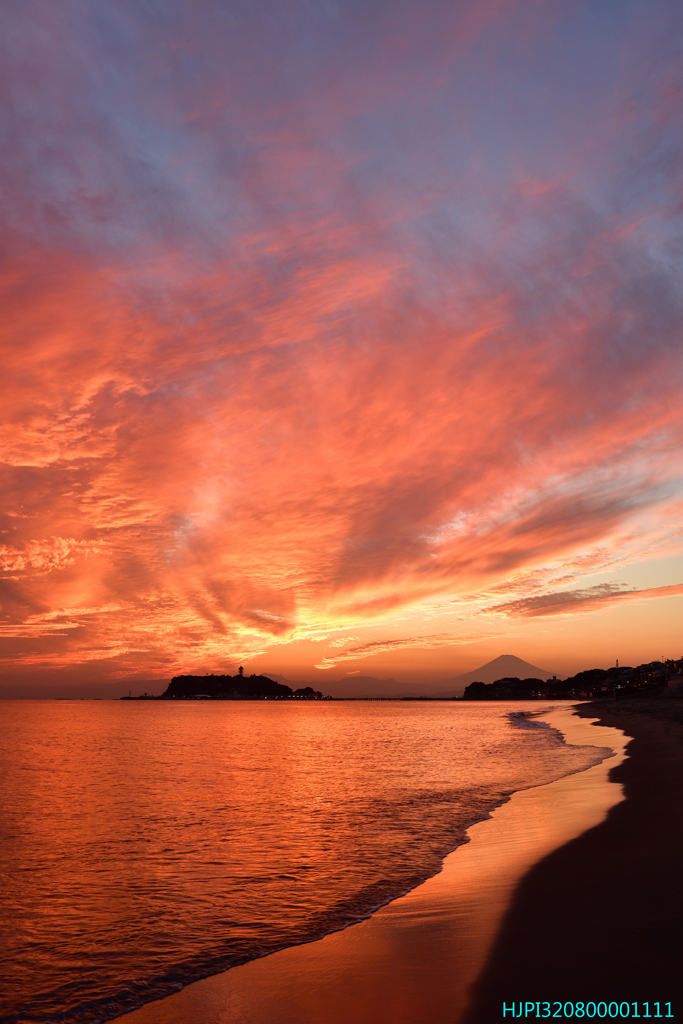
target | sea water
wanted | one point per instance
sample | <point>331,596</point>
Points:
<point>145,845</point>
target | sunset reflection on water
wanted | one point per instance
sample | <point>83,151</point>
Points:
<point>149,844</point>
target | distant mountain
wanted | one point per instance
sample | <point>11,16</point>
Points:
<point>283,679</point>
<point>507,665</point>
<point>367,686</point>
<point>359,686</point>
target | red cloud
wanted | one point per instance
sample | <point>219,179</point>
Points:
<point>302,336</point>
<point>570,602</point>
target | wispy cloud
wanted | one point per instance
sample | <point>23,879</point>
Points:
<point>569,602</point>
<point>382,646</point>
<point>38,557</point>
<point>311,318</point>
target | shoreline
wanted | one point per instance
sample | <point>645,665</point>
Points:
<point>599,918</point>
<point>397,965</point>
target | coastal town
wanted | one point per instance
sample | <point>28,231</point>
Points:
<point>624,681</point>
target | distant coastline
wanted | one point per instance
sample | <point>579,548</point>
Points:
<point>644,680</point>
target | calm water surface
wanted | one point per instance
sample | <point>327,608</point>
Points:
<point>145,845</point>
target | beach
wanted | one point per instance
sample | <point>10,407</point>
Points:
<point>419,959</point>
<point>600,918</point>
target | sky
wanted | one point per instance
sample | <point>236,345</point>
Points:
<point>339,337</point>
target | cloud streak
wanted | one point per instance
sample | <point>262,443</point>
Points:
<point>426,642</point>
<point>313,317</point>
<point>570,602</point>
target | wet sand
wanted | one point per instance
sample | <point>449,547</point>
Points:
<point>415,960</point>
<point>601,918</point>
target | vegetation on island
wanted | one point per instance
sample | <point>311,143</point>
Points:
<point>239,687</point>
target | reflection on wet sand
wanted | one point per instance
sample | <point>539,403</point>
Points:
<point>415,960</point>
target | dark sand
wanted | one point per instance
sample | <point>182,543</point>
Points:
<point>415,960</point>
<point>601,917</point>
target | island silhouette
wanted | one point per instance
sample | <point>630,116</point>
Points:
<point>239,687</point>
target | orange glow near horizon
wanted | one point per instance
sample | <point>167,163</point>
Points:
<point>326,365</point>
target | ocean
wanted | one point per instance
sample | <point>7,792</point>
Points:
<point>145,845</point>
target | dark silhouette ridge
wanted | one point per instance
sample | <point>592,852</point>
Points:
<point>513,688</point>
<point>594,682</point>
<point>619,681</point>
<point>239,687</point>
<point>505,666</point>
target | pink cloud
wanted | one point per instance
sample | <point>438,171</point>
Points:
<point>287,344</point>
<point>428,642</point>
<point>570,602</point>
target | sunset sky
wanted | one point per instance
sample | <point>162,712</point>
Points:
<point>340,337</point>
